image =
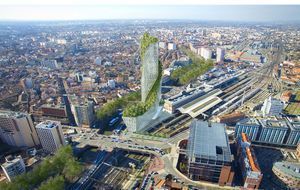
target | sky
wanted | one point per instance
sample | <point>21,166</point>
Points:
<point>260,13</point>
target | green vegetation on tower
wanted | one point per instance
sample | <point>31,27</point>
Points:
<point>146,41</point>
<point>199,66</point>
<point>110,108</point>
<point>140,108</point>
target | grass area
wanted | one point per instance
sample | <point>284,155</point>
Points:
<point>293,109</point>
<point>53,173</point>
<point>199,66</point>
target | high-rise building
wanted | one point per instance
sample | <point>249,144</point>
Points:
<point>272,107</point>
<point>171,46</point>
<point>250,126</point>
<point>17,129</point>
<point>273,131</point>
<point>137,117</point>
<point>206,53</point>
<point>83,111</point>
<point>220,54</point>
<point>251,172</point>
<point>162,45</point>
<point>51,135</point>
<point>13,166</point>
<point>208,153</point>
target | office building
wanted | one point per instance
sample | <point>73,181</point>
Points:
<point>111,84</point>
<point>250,126</point>
<point>294,133</point>
<point>13,166</point>
<point>83,111</point>
<point>220,54</point>
<point>288,173</point>
<point>272,107</point>
<point>208,153</point>
<point>206,53</point>
<point>98,61</point>
<point>272,131</point>
<point>51,135</point>
<point>162,45</point>
<point>17,129</point>
<point>171,46</point>
<point>251,172</point>
<point>50,64</point>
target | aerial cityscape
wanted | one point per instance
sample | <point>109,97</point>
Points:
<point>150,103</point>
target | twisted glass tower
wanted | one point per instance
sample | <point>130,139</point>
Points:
<point>139,115</point>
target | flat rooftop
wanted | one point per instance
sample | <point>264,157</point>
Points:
<point>47,124</point>
<point>11,114</point>
<point>249,121</point>
<point>289,168</point>
<point>208,140</point>
<point>273,123</point>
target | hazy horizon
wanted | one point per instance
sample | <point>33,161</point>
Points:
<point>244,13</point>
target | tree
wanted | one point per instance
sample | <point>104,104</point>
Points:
<point>54,183</point>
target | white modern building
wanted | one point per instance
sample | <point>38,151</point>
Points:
<point>171,46</point>
<point>206,53</point>
<point>220,54</point>
<point>13,166</point>
<point>272,107</point>
<point>51,135</point>
<point>162,45</point>
<point>17,129</point>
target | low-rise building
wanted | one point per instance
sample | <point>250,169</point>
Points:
<point>250,126</point>
<point>273,131</point>
<point>13,166</point>
<point>288,173</point>
<point>272,107</point>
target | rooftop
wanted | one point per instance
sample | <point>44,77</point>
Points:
<point>47,124</point>
<point>289,168</point>
<point>273,123</point>
<point>10,114</point>
<point>249,121</point>
<point>208,140</point>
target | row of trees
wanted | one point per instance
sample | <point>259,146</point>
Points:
<point>110,108</point>
<point>199,66</point>
<point>53,173</point>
